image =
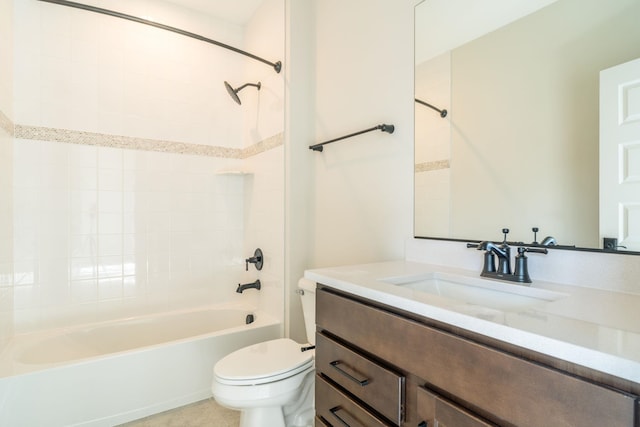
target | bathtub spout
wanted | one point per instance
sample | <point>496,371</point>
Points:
<point>254,285</point>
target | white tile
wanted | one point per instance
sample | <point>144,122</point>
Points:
<point>54,271</point>
<point>83,156</point>
<point>110,288</point>
<point>110,245</point>
<point>53,176</point>
<point>53,243</point>
<point>83,268</point>
<point>83,178</point>
<point>133,244</point>
<point>25,244</point>
<point>158,222</point>
<point>110,201</point>
<point>158,242</point>
<point>25,272</point>
<point>159,264</point>
<point>54,200</point>
<point>110,223</point>
<point>83,246</point>
<point>110,266</point>
<point>159,201</point>
<point>110,158</point>
<point>83,291</point>
<point>83,201</point>
<point>110,179</point>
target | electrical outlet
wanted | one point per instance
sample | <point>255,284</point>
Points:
<point>610,243</point>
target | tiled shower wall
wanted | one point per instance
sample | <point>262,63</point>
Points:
<point>107,231</point>
<point>108,219</point>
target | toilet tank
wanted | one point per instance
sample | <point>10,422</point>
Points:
<point>307,293</point>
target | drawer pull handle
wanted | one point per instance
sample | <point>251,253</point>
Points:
<point>334,412</point>
<point>335,364</point>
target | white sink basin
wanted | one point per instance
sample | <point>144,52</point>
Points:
<point>506,296</point>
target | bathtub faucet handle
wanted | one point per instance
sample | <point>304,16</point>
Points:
<point>256,259</point>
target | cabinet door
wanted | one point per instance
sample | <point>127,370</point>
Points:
<point>435,411</point>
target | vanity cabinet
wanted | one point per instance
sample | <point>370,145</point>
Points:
<point>453,379</point>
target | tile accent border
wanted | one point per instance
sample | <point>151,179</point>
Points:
<point>432,166</point>
<point>6,124</point>
<point>144,144</point>
<point>262,146</point>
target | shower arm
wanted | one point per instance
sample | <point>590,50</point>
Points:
<point>443,112</point>
<point>383,128</point>
<point>277,66</point>
<point>238,89</point>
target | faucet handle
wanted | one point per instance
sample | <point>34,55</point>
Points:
<point>505,231</point>
<point>535,235</point>
<point>256,259</point>
<point>523,249</point>
<point>521,271</point>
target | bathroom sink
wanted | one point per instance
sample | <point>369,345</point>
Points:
<point>456,290</point>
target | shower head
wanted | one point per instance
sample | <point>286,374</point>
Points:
<point>233,93</point>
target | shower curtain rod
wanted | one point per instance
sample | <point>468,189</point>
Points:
<point>277,66</point>
<point>383,128</point>
<point>443,113</point>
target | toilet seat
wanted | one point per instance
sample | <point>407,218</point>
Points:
<point>262,363</point>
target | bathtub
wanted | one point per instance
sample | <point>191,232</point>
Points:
<point>110,373</point>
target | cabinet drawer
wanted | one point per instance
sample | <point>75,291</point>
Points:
<point>337,409</point>
<point>318,422</point>
<point>374,384</point>
<point>504,388</point>
<point>434,410</point>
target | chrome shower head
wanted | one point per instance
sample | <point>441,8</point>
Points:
<point>233,93</point>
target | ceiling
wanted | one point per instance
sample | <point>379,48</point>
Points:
<point>234,11</point>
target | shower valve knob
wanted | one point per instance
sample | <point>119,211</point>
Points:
<point>256,259</point>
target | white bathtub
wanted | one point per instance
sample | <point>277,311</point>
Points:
<point>110,373</point>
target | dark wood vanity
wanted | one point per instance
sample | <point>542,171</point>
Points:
<point>379,366</point>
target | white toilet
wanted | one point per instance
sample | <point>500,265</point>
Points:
<point>271,383</point>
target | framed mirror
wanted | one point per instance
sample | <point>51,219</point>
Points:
<point>518,147</point>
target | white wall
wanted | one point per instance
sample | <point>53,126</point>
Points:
<point>299,130</point>
<point>363,207</point>
<point>105,232</point>
<point>264,188</point>
<point>6,130</point>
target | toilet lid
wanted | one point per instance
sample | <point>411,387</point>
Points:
<point>263,362</point>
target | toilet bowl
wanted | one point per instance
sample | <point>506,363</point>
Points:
<point>271,383</point>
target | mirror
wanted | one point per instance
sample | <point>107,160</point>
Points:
<point>519,146</point>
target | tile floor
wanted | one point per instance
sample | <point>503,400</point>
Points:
<point>204,413</point>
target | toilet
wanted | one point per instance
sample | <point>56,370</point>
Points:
<point>271,383</point>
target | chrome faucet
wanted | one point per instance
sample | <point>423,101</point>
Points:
<point>254,285</point>
<point>503,252</point>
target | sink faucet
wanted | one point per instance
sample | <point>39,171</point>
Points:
<point>503,252</point>
<point>254,285</point>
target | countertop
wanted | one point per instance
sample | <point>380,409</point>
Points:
<point>594,328</point>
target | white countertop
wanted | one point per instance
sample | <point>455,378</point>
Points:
<point>594,328</point>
